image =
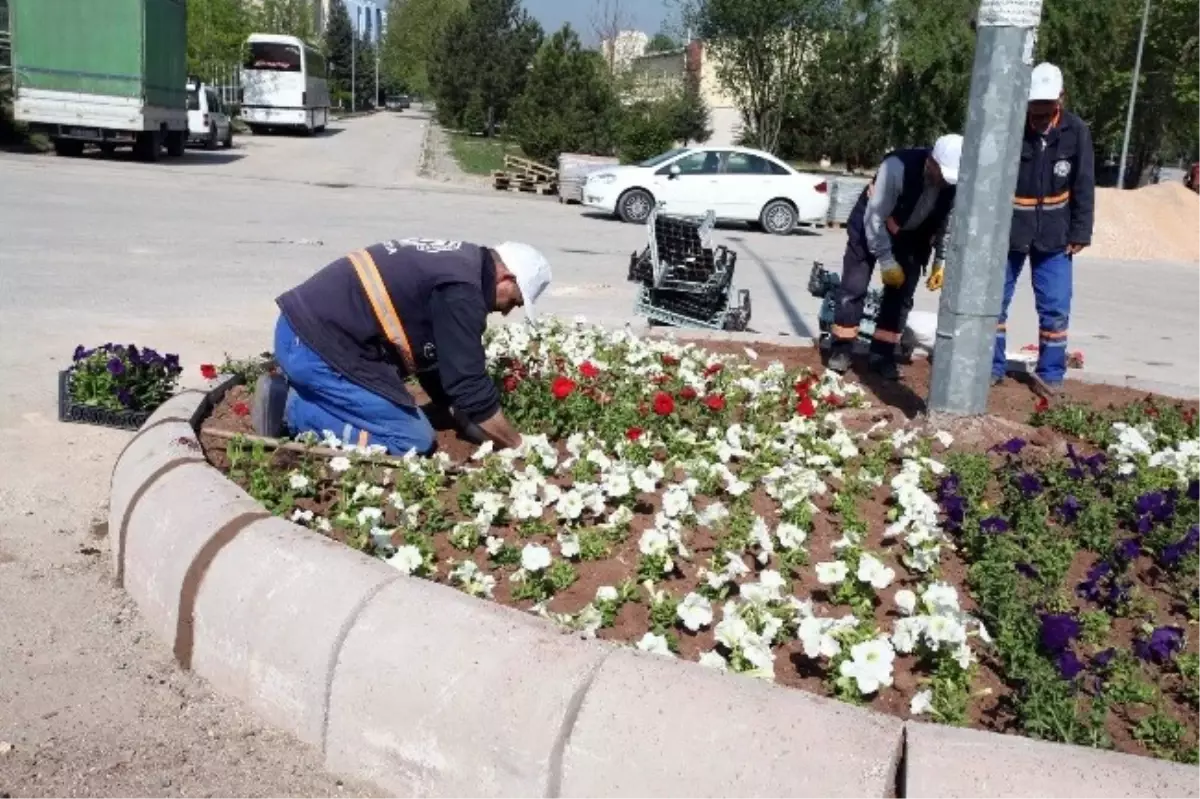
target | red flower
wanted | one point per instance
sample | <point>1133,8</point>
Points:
<point>806,408</point>
<point>663,403</point>
<point>633,433</point>
<point>715,402</point>
<point>660,379</point>
<point>670,360</point>
<point>241,409</point>
<point>510,383</point>
<point>712,369</point>
<point>833,400</point>
<point>687,393</point>
<point>803,386</point>
<point>208,371</point>
<point>562,387</point>
<point>589,370</point>
<point>1041,404</point>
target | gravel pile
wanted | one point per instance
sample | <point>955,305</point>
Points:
<point>1153,223</point>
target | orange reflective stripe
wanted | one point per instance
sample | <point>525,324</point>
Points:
<point>1001,327</point>
<point>363,438</point>
<point>887,336</point>
<point>381,304</point>
<point>1052,333</point>
<point>841,331</point>
<point>1029,202</point>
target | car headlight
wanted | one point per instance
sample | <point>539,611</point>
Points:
<point>603,177</point>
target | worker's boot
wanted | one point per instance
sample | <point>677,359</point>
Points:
<point>270,404</point>
<point>840,356</point>
<point>882,360</point>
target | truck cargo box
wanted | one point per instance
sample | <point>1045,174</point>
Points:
<point>88,61</point>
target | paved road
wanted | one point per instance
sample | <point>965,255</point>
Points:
<point>187,256</point>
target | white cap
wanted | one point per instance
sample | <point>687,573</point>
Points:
<point>529,267</point>
<point>947,152</point>
<point>1046,83</point>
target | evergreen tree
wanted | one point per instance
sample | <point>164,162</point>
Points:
<point>290,17</point>
<point>661,42</point>
<point>364,84</point>
<point>689,113</point>
<point>339,47</point>
<point>568,104</point>
<point>413,34</point>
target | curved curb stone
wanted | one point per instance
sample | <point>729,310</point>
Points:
<point>427,691</point>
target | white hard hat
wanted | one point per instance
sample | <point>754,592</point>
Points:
<point>947,152</point>
<point>1046,82</point>
<point>529,267</point>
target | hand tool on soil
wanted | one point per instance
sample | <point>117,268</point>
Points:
<point>685,280</point>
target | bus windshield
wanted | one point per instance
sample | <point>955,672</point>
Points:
<point>274,57</point>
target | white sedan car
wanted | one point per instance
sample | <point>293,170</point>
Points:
<point>736,183</point>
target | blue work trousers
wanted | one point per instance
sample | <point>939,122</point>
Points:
<point>321,399</point>
<point>1051,276</point>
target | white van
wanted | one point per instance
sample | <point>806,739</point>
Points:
<point>208,121</point>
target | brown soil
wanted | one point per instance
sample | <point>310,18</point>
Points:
<point>1010,406</point>
<point>1153,223</point>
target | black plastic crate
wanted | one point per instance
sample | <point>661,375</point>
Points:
<point>69,411</point>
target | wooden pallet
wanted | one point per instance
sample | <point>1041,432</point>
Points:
<point>509,181</point>
<point>531,170</point>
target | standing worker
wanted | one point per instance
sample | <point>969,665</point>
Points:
<point>899,220</point>
<point>349,337</point>
<point>1052,220</point>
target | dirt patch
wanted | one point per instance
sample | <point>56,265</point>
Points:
<point>1153,223</point>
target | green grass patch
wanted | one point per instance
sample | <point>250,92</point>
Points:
<point>479,155</point>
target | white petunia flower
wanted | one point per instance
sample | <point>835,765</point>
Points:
<point>339,464</point>
<point>568,545</point>
<point>654,542</point>
<point>304,516</point>
<point>872,571</point>
<point>570,505</point>
<point>695,612</point>
<point>535,558</point>
<point>790,536</point>
<point>527,507</point>
<point>907,632</point>
<point>922,701</point>
<point>870,665</point>
<point>906,600</point>
<point>676,501</point>
<point>940,598</point>
<point>606,593</point>
<point>831,573</point>
<point>713,660</point>
<point>494,544</point>
<point>368,516</point>
<point>298,482</point>
<point>407,559</point>
<point>655,645</point>
<point>814,634</point>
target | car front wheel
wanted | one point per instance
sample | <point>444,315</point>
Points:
<point>778,217</point>
<point>635,206</point>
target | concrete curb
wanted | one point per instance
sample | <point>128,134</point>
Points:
<point>426,691</point>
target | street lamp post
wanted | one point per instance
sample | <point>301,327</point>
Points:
<point>1006,31</point>
<point>1137,68</point>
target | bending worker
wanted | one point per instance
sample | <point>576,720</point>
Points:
<point>898,222</point>
<point>349,336</point>
<point>1052,220</point>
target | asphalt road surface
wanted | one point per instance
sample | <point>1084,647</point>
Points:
<point>187,256</point>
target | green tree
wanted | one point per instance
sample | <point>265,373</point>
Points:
<point>486,50</point>
<point>568,104</point>
<point>290,17</point>
<point>646,130</point>
<point>364,83</point>
<point>413,33</point>
<point>216,34</point>
<point>661,42</point>
<point>838,111</point>
<point>690,118</point>
<point>761,48</point>
<point>339,49</point>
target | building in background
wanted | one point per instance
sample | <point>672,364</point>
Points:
<point>369,17</point>
<point>620,50</point>
<point>654,76</point>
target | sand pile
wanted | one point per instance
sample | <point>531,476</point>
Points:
<point>1154,223</point>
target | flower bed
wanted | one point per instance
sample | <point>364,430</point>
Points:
<point>115,385</point>
<point>748,512</point>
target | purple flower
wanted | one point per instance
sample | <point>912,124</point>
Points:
<point>1096,463</point>
<point>1028,571</point>
<point>1102,659</point>
<point>1069,665</point>
<point>1059,630</point>
<point>1069,509</point>
<point>948,486</point>
<point>172,363</point>
<point>1090,588</point>
<point>1143,525</point>
<point>125,398</point>
<point>116,367</point>
<point>1173,553</point>
<point>956,511</point>
<point>1194,490</point>
<point>1029,484</point>
<point>1127,550</point>
<point>1013,446</point>
<point>80,353</point>
<point>135,357</point>
<point>1149,502</point>
<point>1161,646</point>
<point>993,524</point>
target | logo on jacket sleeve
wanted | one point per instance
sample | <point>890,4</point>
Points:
<point>1062,168</point>
<point>424,245</point>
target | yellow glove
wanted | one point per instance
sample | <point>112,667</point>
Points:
<point>936,277</point>
<point>892,276</point>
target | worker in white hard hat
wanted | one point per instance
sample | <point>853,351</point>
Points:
<point>349,336</point>
<point>898,223</point>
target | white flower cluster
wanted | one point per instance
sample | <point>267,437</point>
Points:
<point>918,518</point>
<point>937,623</point>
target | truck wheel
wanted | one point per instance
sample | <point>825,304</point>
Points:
<point>176,139</point>
<point>213,141</point>
<point>228,143</point>
<point>108,148</point>
<point>69,148</point>
<point>255,129</point>
<point>148,146</point>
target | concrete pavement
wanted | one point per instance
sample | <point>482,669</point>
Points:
<point>187,257</point>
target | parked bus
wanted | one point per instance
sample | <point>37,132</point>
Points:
<point>284,84</point>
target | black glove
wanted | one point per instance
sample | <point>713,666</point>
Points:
<point>468,429</point>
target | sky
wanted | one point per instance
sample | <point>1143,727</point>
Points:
<point>645,15</point>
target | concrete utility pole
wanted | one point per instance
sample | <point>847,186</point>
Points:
<point>1137,68</point>
<point>1006,31</point>
<point>354,69</point>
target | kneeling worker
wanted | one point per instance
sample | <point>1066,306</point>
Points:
<point>349,336</point>
<point>899,220</point>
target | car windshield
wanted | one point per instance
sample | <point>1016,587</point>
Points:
<point>667,156</point>
<point>274,57</point>
<point>193,100</point>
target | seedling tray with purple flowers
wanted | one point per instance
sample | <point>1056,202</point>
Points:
<point>115,385</point>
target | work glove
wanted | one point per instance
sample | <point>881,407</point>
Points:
<point>937,276</point>
<point>892,275</point>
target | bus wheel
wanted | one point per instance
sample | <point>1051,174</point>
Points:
<point>148,146</point>
<point>176,141</point>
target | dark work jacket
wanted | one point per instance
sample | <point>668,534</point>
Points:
<point>1056,188</point>
<point>908,245</point>
<point>442,291</point>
